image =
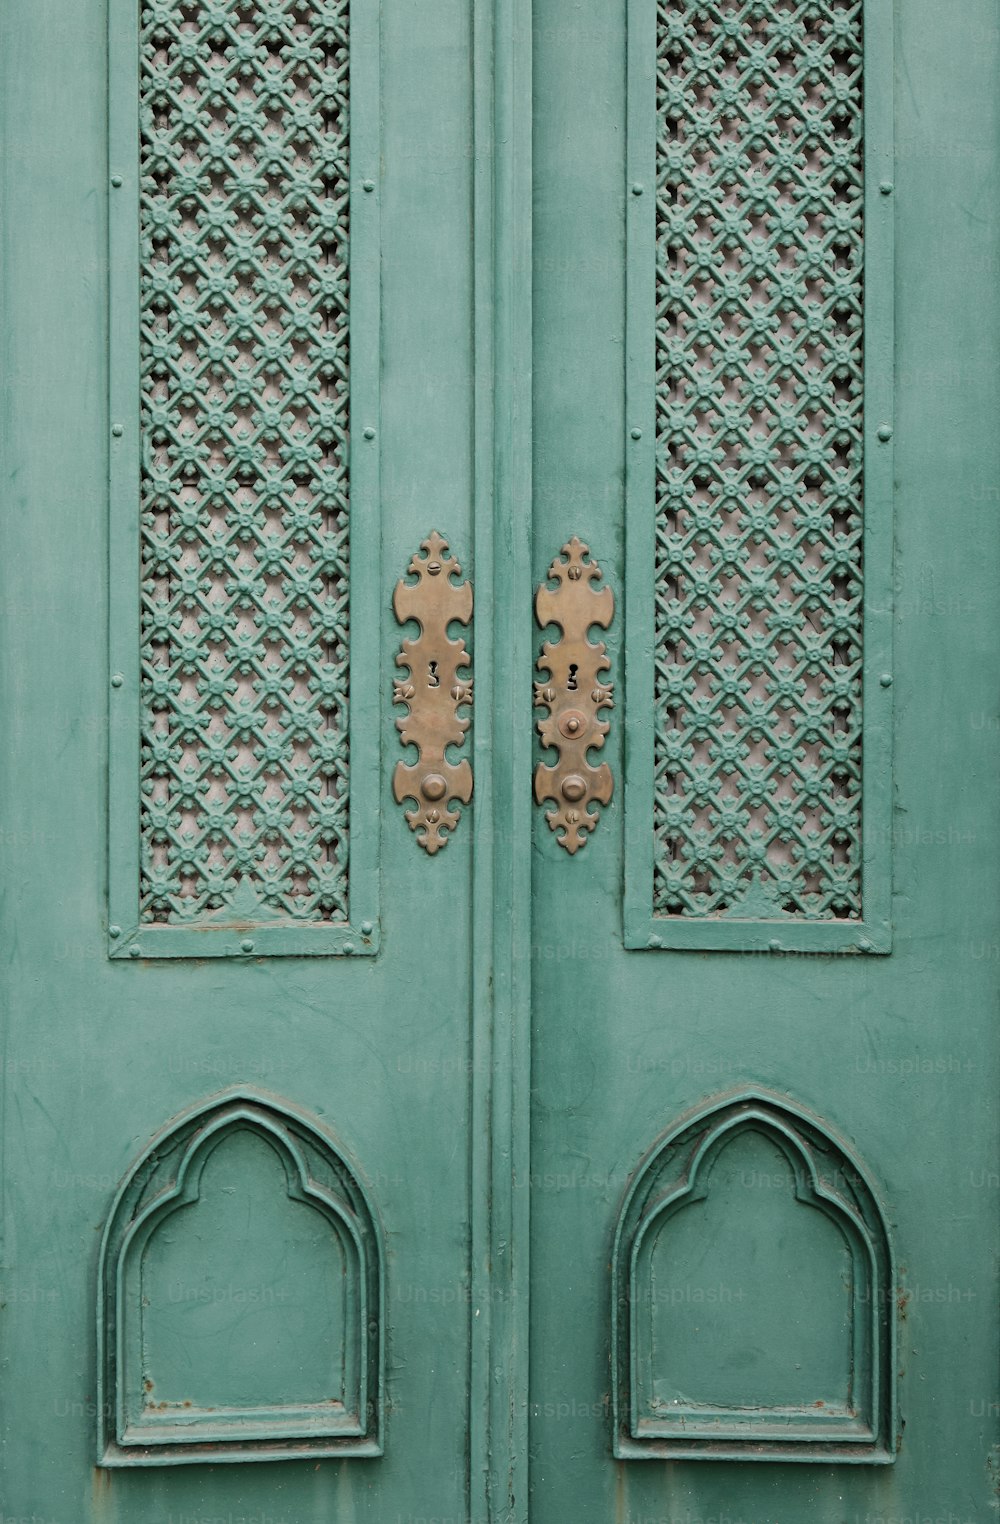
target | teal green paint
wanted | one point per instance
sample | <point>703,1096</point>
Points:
<point>501,883</point>
<point>107,1051</point>
<point>758,933</point>
<point>360,935</point>
<point>898,1053</point>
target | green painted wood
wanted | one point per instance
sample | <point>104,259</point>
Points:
<point>896,1055</point>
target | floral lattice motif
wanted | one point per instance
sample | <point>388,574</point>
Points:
<point>759,458</point>
<point>244,364</point>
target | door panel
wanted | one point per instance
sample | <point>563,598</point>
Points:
<point>887,1057</point>
<point>361,1060</point>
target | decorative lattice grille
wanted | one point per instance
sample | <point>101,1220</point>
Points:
<point>244,390</point>
<point>759,458</point>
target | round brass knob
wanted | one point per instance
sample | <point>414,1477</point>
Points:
<point>433,786</point>
<point>573,788</point>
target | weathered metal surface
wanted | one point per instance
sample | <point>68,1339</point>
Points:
<point>760,463</point>
<point>420,1073</point>
<point>575,694</point>
<point>244,250</point>
<point>434,693</point>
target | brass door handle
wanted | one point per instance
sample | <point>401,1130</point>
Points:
<point>433,693</point>
<point>575,695</point>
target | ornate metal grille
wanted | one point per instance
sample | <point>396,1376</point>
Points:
<point>758,458</point>
<point>244,392</point>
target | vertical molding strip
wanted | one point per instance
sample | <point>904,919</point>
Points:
<point>501,961</point>
<point>872,933</point>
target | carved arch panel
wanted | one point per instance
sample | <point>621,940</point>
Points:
<point>240,1305</point>
<point>753,1294</point>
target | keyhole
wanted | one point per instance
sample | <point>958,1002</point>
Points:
<point>571,683</point>
<point>433,681</point>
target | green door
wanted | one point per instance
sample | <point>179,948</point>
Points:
<point>763,1073</point>
<point>575,1105</point>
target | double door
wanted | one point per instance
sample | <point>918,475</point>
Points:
<point>499,806</point>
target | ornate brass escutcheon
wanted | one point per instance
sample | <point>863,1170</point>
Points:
<point>433,693</point>
<point>574,694</point>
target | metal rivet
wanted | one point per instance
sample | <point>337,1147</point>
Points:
<point>864,945</point>
<point>135,950</point>
<point>114,931</point>
<point>637,189</point>
<point>886,679</point>
<point>636,433</point>
<point>117,430</point>
<point>885,433</point>
<point>116,680</point>
<point>247,944</point>
<point>369,433</point>
<point>368,185</point>
<point>655,942</point>
<point>774,946</point>
<point>348,948</point>
<point>886,187</point>
<point>366,928</point>
<point>116,181</point>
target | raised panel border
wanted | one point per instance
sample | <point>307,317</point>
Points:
<point>839,1183</point>
<point>127,936</point>
<point>165,1177</point>
<point>642,929</point>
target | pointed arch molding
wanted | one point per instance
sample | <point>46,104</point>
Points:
<point>752,1294</point>
<point>240,1295</point>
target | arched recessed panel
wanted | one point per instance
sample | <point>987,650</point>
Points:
<point>752,1295</point>
<point>240,1306</point>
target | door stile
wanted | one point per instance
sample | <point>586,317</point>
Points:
<point>501,886</point>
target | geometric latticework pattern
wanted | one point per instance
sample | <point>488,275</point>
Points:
<point>758,458</point>
<point>244,511</point>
